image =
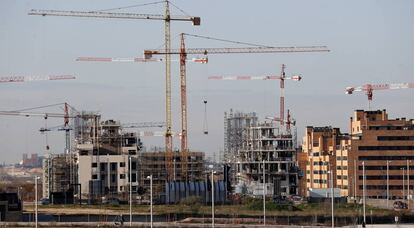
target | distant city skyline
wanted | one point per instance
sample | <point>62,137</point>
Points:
<point>370,42</point>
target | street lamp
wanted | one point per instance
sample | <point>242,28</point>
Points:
<point>355,178</point>
<point>264,194</point>
<point>330,172</point>
<point>150,178</point>
<point>212,195</point>
<point>363,192</point>
<point>408,184</point>
<point>36,178</point>
<point>388,183</point>
<point>130,191</point>
<point>403,185</point>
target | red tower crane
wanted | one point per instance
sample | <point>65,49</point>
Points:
<point>369,89</point>
<point>184,52</point>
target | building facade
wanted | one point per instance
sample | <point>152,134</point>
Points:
<point>326,150</point>
<point>385,148</point>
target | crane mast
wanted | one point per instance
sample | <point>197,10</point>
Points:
<point>167,18</point>
<point>282,95</point>
<point>168,136</point>
<point>183,82</point>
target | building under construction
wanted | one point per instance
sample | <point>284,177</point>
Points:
<point>107,159</point>
<point>153,163</point>
<point>261,152</point>
<point>59,176</point>
<point>235,127</point>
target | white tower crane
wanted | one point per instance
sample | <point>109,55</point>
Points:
<point>369,89</point>
<point>19,78</point>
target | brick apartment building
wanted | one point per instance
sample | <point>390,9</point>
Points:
<point>326,150</point>
<point>376,141</point>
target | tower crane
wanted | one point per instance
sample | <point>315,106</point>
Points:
<point>143,124</point>
<point>167,18</point>
<point>35,78</point>
<point>65,127</point>
<point>369,89</point>
<point>135,59</point>
<point>184,52</point>
<point>281,78</point>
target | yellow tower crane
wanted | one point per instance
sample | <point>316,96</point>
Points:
<point>167,37</point>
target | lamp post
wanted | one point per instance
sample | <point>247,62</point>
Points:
<point>174,169</point>
<point>403,185</point>
<point>408,184</point>
<point>264,194</point>
<point>388,183</point>
<point>36,178</point>
<point>355,178</point>
<point>150,178</point>
<point>212,195</point>
<point>363,192</point>
<point>130,191</point>
<point>332,198</point>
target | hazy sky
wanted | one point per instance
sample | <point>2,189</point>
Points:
<point>370,41</point>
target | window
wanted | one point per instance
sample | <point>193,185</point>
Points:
<point>113,166</point>
<point>384,158</point>
<point>103,166</point>
<point>386,148</point>
<point>384,167</point>
<point>94,165</point>
<point>134,177</point>
<point>94,177</point>
<point>113,178</point>
<point>122,164</point>
<point>121,176</point>
<point>395,138</point>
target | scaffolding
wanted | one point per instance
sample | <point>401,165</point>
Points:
<point>267,149</point>
<point>252,147</point>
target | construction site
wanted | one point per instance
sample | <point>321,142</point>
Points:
<point>230,110</point>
